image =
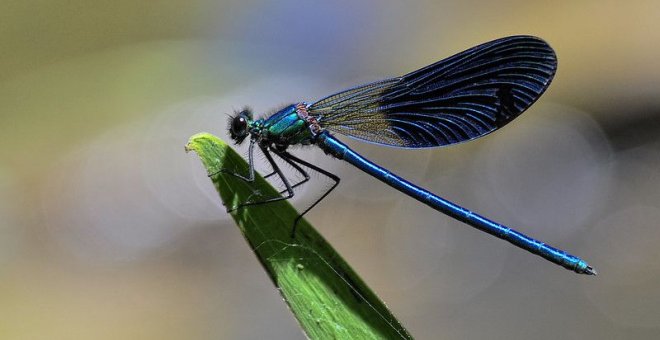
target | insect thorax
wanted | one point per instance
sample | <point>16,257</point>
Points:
<point>289,126</point>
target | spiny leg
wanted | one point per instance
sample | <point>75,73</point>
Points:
<point>289,188</point>
<point>275,171</point>
<point>297,167</point>
<point>250,177</point>
<point>285,155</point>
<point>290,159</point>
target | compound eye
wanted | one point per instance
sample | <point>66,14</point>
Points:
<point>239,125</point>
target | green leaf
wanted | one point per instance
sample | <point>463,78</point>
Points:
<point>327,297</point>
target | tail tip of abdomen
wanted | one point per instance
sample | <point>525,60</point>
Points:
<point>589,271</point>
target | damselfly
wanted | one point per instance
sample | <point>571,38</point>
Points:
<point>458,99</point>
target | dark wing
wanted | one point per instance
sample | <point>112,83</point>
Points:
<point>454,100</point>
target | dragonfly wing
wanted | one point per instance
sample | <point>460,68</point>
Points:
<point>457,99</point>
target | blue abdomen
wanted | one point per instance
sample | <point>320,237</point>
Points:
<point>332,146</point>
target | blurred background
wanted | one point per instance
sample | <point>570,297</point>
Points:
<point>109,230</point>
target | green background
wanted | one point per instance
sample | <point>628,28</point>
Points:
<point>109,230</point>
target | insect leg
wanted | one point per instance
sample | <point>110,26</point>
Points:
<point>285,155</point>
<point>295,166</point>
<point>289,188</point>
<point>250,176</point>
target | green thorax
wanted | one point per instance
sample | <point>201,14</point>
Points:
<point>285,127</point>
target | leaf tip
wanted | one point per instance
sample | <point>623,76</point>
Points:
<point>199,140</point>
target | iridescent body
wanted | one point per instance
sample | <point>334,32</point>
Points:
<point>458,99</point>
<point>286,127</point>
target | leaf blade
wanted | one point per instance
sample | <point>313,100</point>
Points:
<point>326,296</point>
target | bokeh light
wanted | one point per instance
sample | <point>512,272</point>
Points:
<point>108,229</point>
